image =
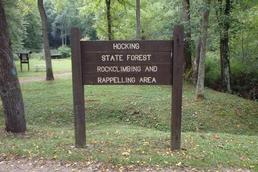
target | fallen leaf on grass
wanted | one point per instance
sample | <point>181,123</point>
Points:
<point>216,137</point>
<point>126,153</point>
<point>179,164</point>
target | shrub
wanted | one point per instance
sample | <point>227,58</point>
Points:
<point>244,78</point>
<point>244,75</point>
<point>212,70</point>
<point>65,51</point>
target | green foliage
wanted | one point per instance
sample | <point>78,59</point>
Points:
<point>16,24</point>
<point>245,78</point>
<point>244,75</point>
<point>212,70</point>
<point>244,34</point>
<point>243,51</point>
<point>24,24</point>
<point>33,39</point>
<point>154,25</point>
<point>65,51</point>
<point>157,18</point>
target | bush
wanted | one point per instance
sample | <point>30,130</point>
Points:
<point>244,78</point>
<point>37,56</point>
<point>65,51</point>
<point>244,75</point>
<point>212,70</point>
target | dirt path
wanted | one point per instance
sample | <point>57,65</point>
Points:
<point>49,166</point>
<point>42,78</point>
<point>23,165</point>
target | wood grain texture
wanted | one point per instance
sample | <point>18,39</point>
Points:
<point>146,45</point>
<point>78,90</point>
<point>178,60</point>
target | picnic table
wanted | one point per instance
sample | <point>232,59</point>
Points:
<point>55,54</point>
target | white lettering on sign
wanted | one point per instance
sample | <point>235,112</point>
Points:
<point>126,67</point>
<point>118,69</point>
<point>126,46</point>
<point>112,58</point>
<point>116,80</point>
<point>138,57</point>
<point>151,69</point>
<point>129,58</point>
<point>148,80</point>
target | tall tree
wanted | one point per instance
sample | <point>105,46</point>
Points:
<point>49,70</point>
<point>187,21</point>
<point>196,61</point>
<point>138,19</point>
<point>10,90</point>
<point>109,19</point>
<point>224,23</point>
<point>203,38</point>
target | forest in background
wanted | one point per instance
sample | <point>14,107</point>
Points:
<point>157,21</point>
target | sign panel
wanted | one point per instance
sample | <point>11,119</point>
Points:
<point>127,62</point>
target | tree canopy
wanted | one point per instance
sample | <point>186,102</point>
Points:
<point>157,21</point>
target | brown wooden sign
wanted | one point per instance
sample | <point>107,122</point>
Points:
<point>127,63</point>
<point>24,59</point>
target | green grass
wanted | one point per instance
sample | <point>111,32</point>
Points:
<point>130,125</point>
<point>145,106</point>
<point>126,144</point>
<point>37,67</point>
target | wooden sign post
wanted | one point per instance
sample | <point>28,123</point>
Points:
<point>24,59</point>
<point>127,63</point>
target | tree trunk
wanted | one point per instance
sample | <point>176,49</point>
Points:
<point>62,36</point>
<point>65,38</point>
<point>242,45</point>
<point>43,16</point>
<point>196,62</point>
<point>224,48</point>
<point>10,90</point>
<point>138,19</point>
<point>187,21</point>
<point>225,63</point>
<point>201,70</point>
<point>109,19</point>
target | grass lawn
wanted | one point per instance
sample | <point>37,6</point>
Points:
<point>129,125</point>
<point>37,67</point>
